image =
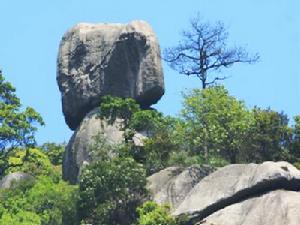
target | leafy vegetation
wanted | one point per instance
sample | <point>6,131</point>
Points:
<point>36,163</point>
<point>16,126</point>
<point>41,202</point>
<point>213,128</point>
<point>54,152</point>
<point>110,188</point>
<point>150,213</point>
<point>216,123</point>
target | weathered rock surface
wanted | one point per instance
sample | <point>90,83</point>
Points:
<point>275,208</point>
<point>13,179</point>
<point>77,152</point>
<point>100,59</point>
<point>171,185</point>
<point>236,183</point>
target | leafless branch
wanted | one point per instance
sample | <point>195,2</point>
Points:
<point>203,50</point>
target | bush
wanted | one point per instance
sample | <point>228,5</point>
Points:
<point>153,214</point>
<point>43,202</point>
<point>115,107</point>
<point>32,161</point>
<point>110,190</point>
<point>54,152</point>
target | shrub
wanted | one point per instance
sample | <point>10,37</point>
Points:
<point>110,190</point>
<point>153,214</point>
<point>32,161</point>
<point>43,202</point>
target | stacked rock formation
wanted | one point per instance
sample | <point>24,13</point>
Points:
<point>104,59</point>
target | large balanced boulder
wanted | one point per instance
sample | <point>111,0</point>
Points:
<point>279,207</point>
<point>78,150</point>
<point>108,59</point>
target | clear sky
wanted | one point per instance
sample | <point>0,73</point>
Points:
<point>30,32</point>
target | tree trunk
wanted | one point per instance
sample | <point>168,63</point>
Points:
<point>232,157</point>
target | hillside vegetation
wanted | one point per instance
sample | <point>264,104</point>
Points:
<point>213,128</point>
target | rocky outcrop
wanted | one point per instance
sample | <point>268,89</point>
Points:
<point>13,179</point>
<point>236,182</point>
<point>171,185</point>
<point>95,60</point>
<point>77,152</point>
<point>238,194</point>
<point>108,59</point>
<point>278,207</point>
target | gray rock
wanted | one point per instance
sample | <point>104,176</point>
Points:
<point>100,59</point>
<point>13,179</point>
<point>77,153</point>
<point>171,185</point>
<point>278,207</point>
<point>235,183</point>
<point>78,150</point>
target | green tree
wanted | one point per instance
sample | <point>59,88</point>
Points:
<point>269,136</point>
<point>42,202</point>
<point>110,188</point>
<point>160,141</point>
<point>113,108</point>
<point>295,143</point>
<point>35,163</point>
<point>16,126</point>
<point>215,123</point>
<point>54,152</point>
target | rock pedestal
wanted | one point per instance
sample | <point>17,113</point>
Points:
<point>78,149</point>
<point>95,60</point>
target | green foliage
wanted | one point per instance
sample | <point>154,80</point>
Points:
<point>295,142</point>
<point>153,214</point>
<point>215,123</point>
<point>102,150</point>
<point>160,141</point>
<point>115,107</point>
<point>111,189</point>
<point>32,161</point>
<point>54,152</point>
<point>185,159</point>
<point>146,120</point>
<point>43,202</point>
<point>159,130</point>
<point>16,126</point>
<point>268,137</point>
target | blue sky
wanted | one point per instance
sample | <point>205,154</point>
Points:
<point>30,32</point>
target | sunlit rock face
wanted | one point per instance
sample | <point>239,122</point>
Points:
<point>248,194</point>
<point>108,59</point>
<point>78,150</point>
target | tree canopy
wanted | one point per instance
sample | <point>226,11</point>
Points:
<point>17,126</point>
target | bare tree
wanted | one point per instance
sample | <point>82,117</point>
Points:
<point>204,50</point>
